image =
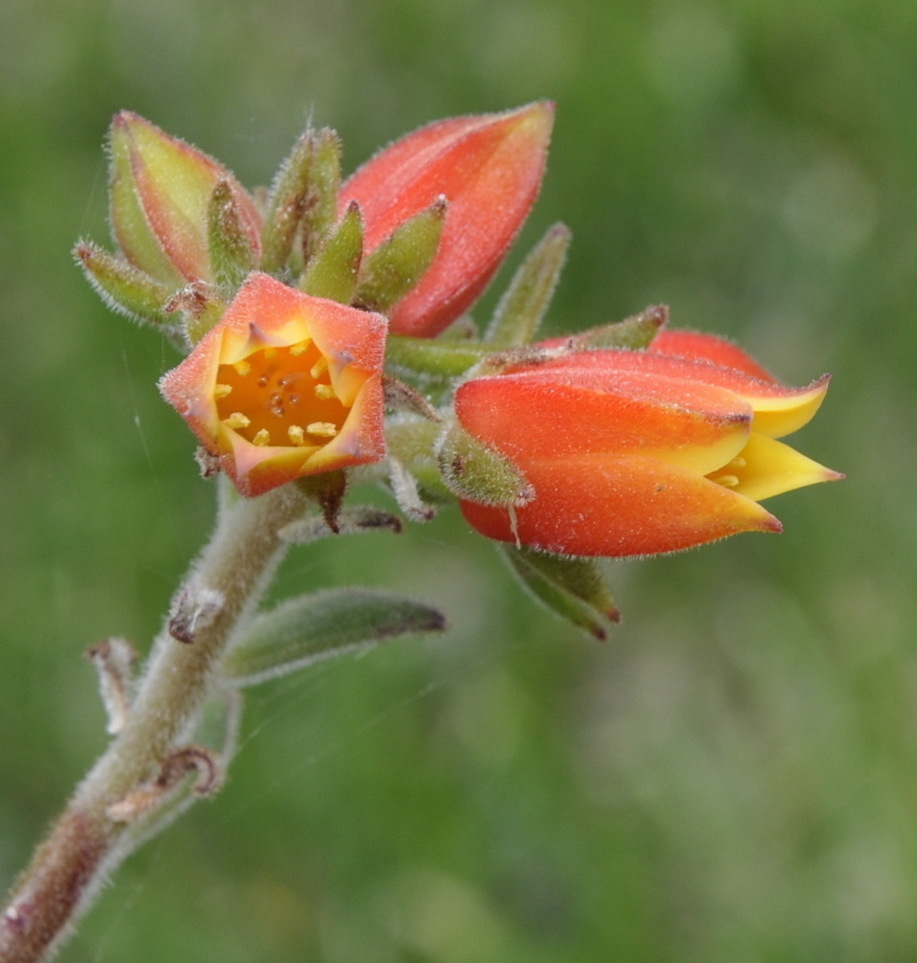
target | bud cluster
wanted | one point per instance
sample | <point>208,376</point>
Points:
<point>309,310</point>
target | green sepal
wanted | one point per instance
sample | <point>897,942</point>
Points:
<point>574,588</point>
<point>321,206</point>
<point>285,205</point>
<point>332,271</point>
<point>327,490</point>
<point>399,262</point>
<point>522,307</point>
<point>232,256</point>
<point>426,358</point>
<point>123,287</point>
<point>635,332</point>
<point>333,622</point>
<point>471,470</point>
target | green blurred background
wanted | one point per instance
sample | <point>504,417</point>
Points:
<point>733,776</point>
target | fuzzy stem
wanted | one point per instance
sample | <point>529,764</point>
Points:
<point>86,844</point>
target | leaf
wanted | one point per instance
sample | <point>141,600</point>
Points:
<point>323,624</point>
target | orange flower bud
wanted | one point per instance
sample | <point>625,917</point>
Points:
<point>639,452</point>
<point>489,169</point>
<point>160,195</point>
<point>285,385</point>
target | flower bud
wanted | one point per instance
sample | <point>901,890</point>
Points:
<point>489,169</point>
<point>638,452</point>
<point>160,196</point>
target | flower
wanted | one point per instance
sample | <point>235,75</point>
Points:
<point>489,168</point>
<point>639,452</point>
<point>160,194</point>
<point>285,385</point>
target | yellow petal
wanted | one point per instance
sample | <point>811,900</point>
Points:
<point>779,415</point>
<point>771,468</point>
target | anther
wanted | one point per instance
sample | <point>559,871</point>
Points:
<point>324,392</point>
<point>727,481</point>
<point>296,434</point>
<point>221,391</point>
<point>324,429</point>
<point>319,368</point>
<point>237,420</point>
<point>301,348</point>
<point>243,368</point>
<point>262,437</point>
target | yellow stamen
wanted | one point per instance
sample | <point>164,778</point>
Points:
<point>324,429</point>
<point>297,349</point>
<point>237,420</point>
<point>324,392</point>
<point>296,434</point>
<point>221,391</point>
<point>319,368</point>
<point>262,438</point>
<point>727,481</point>
<point>269,352</point>
<point>242,367</point>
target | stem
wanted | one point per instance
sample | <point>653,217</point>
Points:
<point>86,844</point>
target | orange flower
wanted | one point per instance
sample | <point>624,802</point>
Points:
<point>489,168</point>
<point>286,385</point>
<point>160,193</point>
<point>640,452</point>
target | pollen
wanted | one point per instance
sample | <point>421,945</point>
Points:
<point>322,429</point>
<point>279,395</point>
<point>237,420</point>
<point>727,481</point>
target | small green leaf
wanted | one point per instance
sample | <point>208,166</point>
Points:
<point>123,287</point>
<point>232,256</point>
<point>329,623</point>
<point>635,332</point>
<point>332,271</point>
<point>321,205</point>
<point>398,263</point>
<point>574,588</point>
<point>426,358</point>
<point>522,307</point>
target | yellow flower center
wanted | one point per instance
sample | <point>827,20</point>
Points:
<point>280,396</point>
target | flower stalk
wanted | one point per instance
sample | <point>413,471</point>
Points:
<point>93,834</point>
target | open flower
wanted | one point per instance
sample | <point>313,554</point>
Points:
<point>285,385</point>
<point>488,168</point>
<point>160,192</point>
<point>639,452</point>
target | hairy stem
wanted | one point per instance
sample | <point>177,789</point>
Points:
<point>88,841</point>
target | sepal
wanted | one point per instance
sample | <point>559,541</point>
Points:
<point>574,588</point>
<point>232,254</point>
<point>472,470</point>
<point>123,287</point>
<point>333,622</point>
<point>303,198</point>
<point>332,271</point>
<point>396,265</point>
<point>522,307</point>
